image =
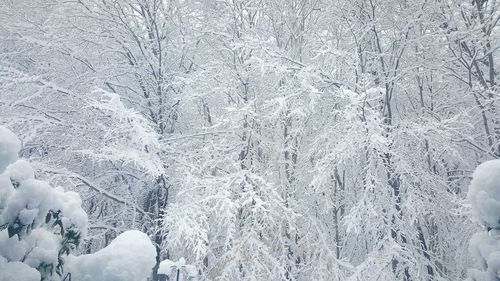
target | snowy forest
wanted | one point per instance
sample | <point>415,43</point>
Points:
<point>226,140</point>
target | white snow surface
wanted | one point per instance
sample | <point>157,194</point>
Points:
<point>485,249</point>
<point>484,196</point>
<point>484,193</point>
<point>17,271</point>
<point>169,268</point>
<point>130,257</point>
<point>166,267</point>
<point>40,246</point>
<point>9,147</point>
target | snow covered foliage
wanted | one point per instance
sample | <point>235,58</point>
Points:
<point>243,217</point>
<point>130,138</point>
<point>261,140</point>
<point>484,193</point>
<point>40,224</point>
<point>178,270</point>
<point>485,249</point>
<point>129,257</point>
<point>484,196</point>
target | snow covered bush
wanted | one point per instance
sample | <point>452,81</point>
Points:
<point>130,257</point>
<point>178,270</point>
<point>41,225</point>
<point>484,196</point>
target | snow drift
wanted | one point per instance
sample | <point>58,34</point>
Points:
<point>130,257</point>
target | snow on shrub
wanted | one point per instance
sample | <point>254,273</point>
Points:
<point>484,196</point>
<point>41,225</point>
<point>178,270</point>
<point>129,257</point>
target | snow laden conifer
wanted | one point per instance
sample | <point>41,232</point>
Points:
<point>484,196</point>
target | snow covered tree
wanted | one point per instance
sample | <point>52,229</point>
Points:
<point>129,257</point>
<point>281,140</point>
